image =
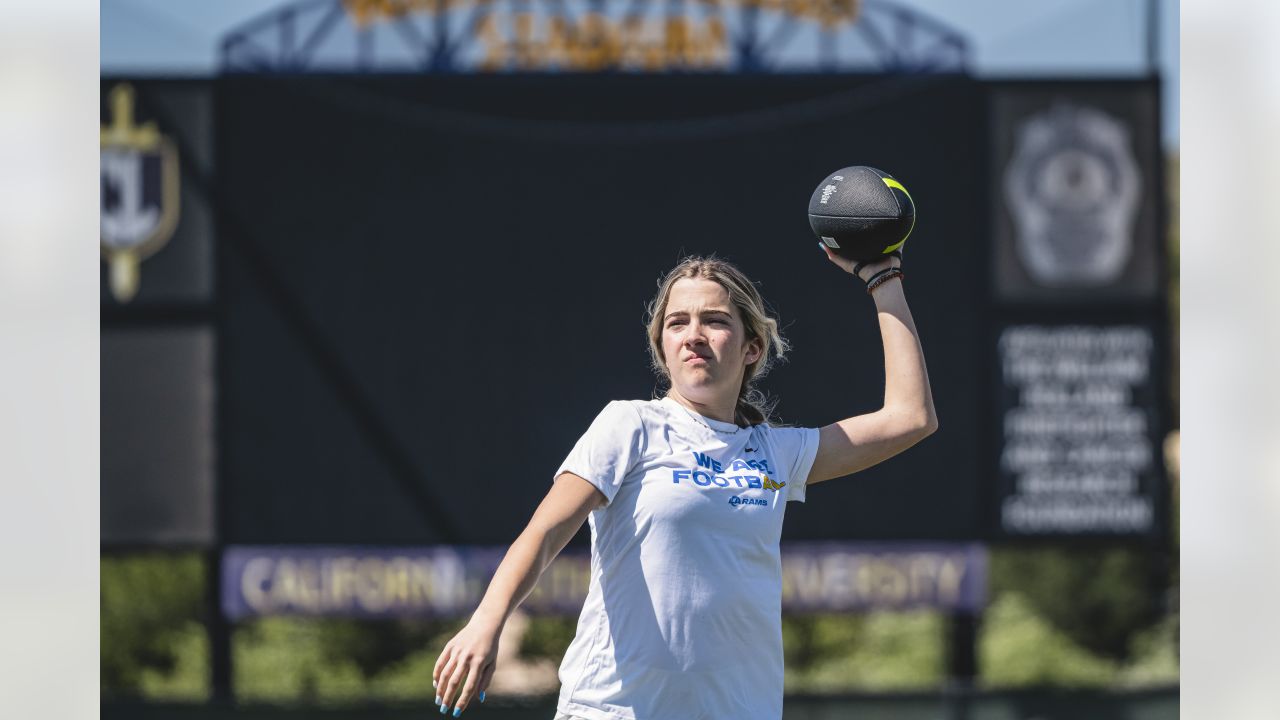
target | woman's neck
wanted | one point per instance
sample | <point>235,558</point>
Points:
<point>724,412</point>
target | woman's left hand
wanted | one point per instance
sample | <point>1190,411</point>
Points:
<point>867,269</point>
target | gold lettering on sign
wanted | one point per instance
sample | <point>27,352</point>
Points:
<point>564,582</point>
<point>397,583</point>
<point>284,585</point>
<point>346,583</point>
<point>950,577</point>
<point>370,585</point>
<point>420,586</point>
<point>255,584</point>
<point>802,578</point>
<point>828,12</point>
<point>882,580</point>
<point>354,583</point>
<point>594,42</point>
<point>342,582</point>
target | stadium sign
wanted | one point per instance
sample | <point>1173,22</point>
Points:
<point>139,192</point>
<point>593,40</point>
<point>448,581</point>
<point>1079,310</point>
<point>449,36</point>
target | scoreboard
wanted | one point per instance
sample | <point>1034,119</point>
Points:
<point>415,292</point>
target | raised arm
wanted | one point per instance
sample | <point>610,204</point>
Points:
<point>467,662</point>
<point>858,442</point>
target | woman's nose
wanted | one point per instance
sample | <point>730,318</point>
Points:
<point>694,334</point>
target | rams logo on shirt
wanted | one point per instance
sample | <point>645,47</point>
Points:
<point>771,485</point>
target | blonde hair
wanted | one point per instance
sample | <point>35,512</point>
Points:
<point>753,406</point>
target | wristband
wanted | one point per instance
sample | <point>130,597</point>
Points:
<point>857,267</point>
<point>883,272</point>
<point>883,277</point>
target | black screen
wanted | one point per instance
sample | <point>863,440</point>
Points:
<point>433,284</point>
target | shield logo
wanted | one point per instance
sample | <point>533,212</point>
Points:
<point>1073,189</point>
<point>139,193</point>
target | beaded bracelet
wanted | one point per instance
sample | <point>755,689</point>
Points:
<point>883,277</point>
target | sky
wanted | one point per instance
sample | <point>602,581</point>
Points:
<point>1007,37</point>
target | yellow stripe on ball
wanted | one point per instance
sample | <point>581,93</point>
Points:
<point>895,184</point>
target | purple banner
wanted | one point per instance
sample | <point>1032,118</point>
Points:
<point>834,576</point>
<point>448,581</point>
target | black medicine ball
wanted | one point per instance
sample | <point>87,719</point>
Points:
<point>861,213</point>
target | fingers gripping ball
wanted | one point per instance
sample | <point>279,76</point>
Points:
<point>862,213</point>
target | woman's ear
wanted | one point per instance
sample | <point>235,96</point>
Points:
<point>755,349</point>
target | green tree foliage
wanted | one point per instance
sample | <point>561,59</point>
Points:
<point>153,642</point>
<point>188,678</point>
<point>835,652</point>
<point>1058,617</point>
<point>1021,648</point>
<point>1155,655</point>
<point>376,645</point>
<point>548,637</point>
<point>286,659</point>
<point>1100,598</point>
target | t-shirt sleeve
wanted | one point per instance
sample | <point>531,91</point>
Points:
<point>610,448</point>
<point>794,450</point>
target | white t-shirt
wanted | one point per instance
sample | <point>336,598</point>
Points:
<point>683,618</point>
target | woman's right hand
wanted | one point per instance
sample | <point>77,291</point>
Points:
<point>466,665</point>
<point>467,662</point>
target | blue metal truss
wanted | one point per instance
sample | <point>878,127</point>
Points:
<point>449,36</point>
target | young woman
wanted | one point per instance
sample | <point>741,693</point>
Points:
<point>685,497</point>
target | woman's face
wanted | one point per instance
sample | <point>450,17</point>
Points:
<point>705,343</point>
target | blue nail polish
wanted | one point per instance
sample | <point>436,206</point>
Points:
<point>457,712</point>
<point>481,696</point>
<point>437,699</point>
<point>444,709</point>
